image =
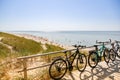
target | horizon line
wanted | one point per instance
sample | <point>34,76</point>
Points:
<point>53,31</point>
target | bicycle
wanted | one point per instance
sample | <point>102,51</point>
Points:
<point>115,50</point>
<point>95,56</point>
<point>117,46</point>
<point>59,66</point>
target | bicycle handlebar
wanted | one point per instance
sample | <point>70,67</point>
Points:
<point>77,46</point>
<point>114,41</point>
<point>100,42</point>
<point>117,41</point>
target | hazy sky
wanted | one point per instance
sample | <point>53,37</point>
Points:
<point>57,15</point>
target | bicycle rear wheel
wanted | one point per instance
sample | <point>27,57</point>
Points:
<point>81,62</point>
<point>57,69</point>
<point>106,55</point>
<point>93,59</point>
<point>112,55</point>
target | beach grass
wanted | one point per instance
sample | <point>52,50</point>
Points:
<point>51,48</point>
<point>20,44</point>
<point>4,52</point>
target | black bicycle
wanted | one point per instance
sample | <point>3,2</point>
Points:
<point>59,66</point>
<point>96,56</point>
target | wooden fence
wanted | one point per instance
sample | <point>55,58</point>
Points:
<point>24,61</point>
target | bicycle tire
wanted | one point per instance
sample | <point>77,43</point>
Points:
<point>94,59</point>
<point>112,55</point>
<point>55,74</point>
<point>118,52</point>
<point>106,55</point>
<point>82,59</point>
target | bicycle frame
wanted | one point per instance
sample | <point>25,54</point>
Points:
<point>70,62</point>
<point>100,51</point>
<point>117,46</point>
<point>70,59</point>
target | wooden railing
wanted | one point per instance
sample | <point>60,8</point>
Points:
<point>24,61</point>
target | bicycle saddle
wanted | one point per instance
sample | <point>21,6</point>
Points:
<point>95,45</point>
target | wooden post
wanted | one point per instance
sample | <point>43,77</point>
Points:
<point>25,68</point>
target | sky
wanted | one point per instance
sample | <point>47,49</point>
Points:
<point>59,15</point>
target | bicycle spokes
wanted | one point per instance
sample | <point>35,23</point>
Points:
<point>118,52</point>
<point>59,66</point>
<point>57,69</point>
<point>81,62</point>
<point>92,59</point>
<point>106,55</point>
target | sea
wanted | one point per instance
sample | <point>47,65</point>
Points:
<point>69,38</point>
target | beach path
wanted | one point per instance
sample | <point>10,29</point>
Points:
<point>101,72</point>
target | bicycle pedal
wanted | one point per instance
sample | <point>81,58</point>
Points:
<point>99,59</point>
<point>70,68</point>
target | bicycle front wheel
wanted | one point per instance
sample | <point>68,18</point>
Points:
<point>81,62</point>
<point>106,55</point>
<point>112,55</point>
<point>93,59</point>
<point>57,69</point>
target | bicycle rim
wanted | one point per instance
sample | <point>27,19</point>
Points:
<point>81,62</point>
<point>106,56</point>
<point>112,55</point>
<point>58,69</point>
<point>93,60</point>
<point>118,52</point>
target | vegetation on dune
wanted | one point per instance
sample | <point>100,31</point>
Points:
<point>4,51</point>
<point>51,48</point>
<point>24,47</point>
<point>20,44</point>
